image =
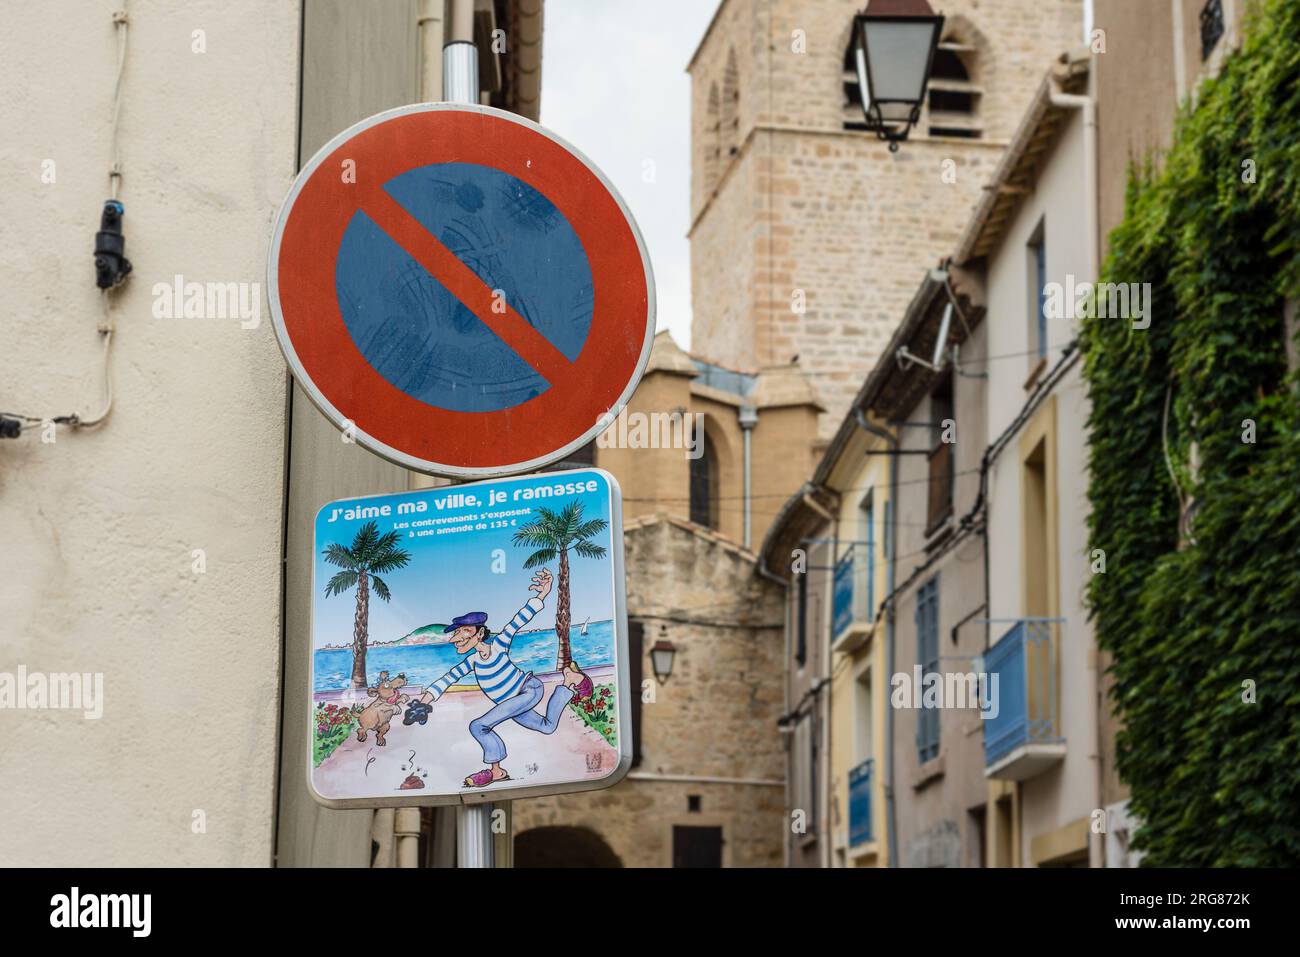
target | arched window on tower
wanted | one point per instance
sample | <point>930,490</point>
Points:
<point>712,142</point>
<point>704,482</point>
<point>730,107</point>
<point>953,100</point>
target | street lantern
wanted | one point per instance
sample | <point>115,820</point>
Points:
<point>893,45</point>
<point>661,656</point>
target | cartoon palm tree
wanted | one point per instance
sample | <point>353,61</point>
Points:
<point>554,534</point>
<point>369,556</point>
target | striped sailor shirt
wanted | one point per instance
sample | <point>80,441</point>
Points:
<point>496,674</point>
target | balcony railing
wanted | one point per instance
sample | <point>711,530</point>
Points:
<point>860,803</point>
<point>852,594</point>
<point>1023,739</point>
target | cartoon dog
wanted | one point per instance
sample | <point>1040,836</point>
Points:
<point>388,702</point>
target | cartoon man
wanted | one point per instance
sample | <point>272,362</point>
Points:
<point>514,693</point>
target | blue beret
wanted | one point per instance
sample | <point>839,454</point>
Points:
<point>473,618</point>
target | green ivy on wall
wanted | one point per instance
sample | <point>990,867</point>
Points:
<point>1214,778</point>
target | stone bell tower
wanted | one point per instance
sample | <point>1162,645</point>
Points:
<point>808,237</point>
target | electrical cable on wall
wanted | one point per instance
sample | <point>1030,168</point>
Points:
<point>111,265</point>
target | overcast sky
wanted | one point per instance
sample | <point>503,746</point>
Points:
<point>614,84</point>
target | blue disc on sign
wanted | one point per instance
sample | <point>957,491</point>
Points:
<point>513,238</point>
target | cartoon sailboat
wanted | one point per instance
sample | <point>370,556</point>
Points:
<point>583,630</point>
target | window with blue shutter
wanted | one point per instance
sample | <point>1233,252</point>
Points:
<point>927,655</point>
<point>864,562</point>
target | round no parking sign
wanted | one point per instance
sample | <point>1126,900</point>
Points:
<point>460,290</point>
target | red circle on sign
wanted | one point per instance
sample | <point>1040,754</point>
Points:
<point>349,174</point>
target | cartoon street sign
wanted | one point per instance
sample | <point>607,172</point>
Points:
<point>460,290</point>
<point>469,643</point>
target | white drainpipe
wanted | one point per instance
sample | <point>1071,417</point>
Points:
<point>460,56</point>
<point>475,843</point>
<point>748,418</point>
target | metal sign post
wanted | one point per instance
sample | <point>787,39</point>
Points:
<point>474,846</point>
<point>474,836</point>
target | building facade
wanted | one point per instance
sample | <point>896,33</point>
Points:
<point>985,542</point>
<point>831,546</point>
<point>1030,246</point>
<point>932,612</point>
<point>857,471</point>
<point>838,230</point>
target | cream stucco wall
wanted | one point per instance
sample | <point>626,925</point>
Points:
<point>100,526</point>
<point>1069,790</point>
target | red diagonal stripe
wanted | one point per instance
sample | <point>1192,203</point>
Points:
<point>441,263</point>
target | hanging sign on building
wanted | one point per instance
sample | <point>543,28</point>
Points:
<point>460,290</point>
<point>469,643</point>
